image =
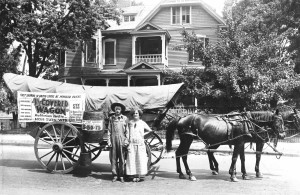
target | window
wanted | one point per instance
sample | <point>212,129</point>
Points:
<point>181,15</point>
<point>195,55</point>
<point>91,51</point>
<point>185,15</point>
<point>129,18</point>
<point>175,15</point>
<point>109,52</point>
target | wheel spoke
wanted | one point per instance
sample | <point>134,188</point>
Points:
<point>46,154</point>
<point>43,148</point>
<point>45,141</point>
<point>69,141</point>
<point>70,153</point>
<point>151,140</point>
<point>50,159</point>
<point>153,145</point>
<point>67,157</point>
<point>154,155</point>
<point>66,136</point>
<point>62,161</point>
<point>70,146</point>
<point>49,135</point>
<point>62,131</point>
<point>56,162</point>
<point>74,154</point>
<point>54,132</point>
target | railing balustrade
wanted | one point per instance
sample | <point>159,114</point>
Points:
<point>150,58</point>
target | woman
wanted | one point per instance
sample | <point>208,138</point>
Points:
<point>136,162</point>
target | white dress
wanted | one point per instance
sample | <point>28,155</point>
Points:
<point>136,162</point>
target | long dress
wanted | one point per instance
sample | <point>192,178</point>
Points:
<point>136,162</point>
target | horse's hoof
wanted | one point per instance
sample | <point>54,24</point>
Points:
<point>259,175</point>
<point>181,176</point>
<point>246,177</point>
<point>233,179</point>
<point>193,178</point>
<point>214,173</point>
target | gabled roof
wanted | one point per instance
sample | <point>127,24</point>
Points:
<point>144,14</point>
<point>142,67</point>
<point>167,3</point>
<point>148,24</point>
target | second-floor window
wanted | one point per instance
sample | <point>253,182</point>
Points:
<point>109,51</point>
<point>195,54</point>
<point>129,18</point>
<point>91,51</point>
<point>181,15</point>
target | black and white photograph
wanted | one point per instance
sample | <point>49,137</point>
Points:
<point>149,97</point>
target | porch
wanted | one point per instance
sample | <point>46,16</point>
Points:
<point>150,47</point>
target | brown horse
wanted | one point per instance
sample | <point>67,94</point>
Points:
<point>267,125</point>
<point>232,129</point>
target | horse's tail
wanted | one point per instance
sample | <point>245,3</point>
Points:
<point>170,133</point>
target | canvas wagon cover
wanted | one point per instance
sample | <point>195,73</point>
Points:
<point>97,97</point>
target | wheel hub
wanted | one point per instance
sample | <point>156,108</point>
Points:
<point>57,147</point>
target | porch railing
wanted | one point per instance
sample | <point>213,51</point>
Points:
<point>150,58</point>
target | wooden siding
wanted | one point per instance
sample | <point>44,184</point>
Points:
<point>123,53</point>
<point>202,23</point>
<point>200,18</point>
<point>73,58</point>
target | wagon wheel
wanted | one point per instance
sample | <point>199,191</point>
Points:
<point>93,148</point>
<point>156,147</point>
<point>56,147</point>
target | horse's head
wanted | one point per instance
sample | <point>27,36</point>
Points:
<point>278,125</point>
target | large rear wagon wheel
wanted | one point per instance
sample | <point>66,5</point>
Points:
<point>57,147</point>
<point>156,147</point>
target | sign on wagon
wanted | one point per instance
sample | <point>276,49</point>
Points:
<point>49,107</point>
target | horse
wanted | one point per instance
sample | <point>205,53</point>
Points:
<point>232,129</point>
<point>260,136</point>
<point>215,130</point>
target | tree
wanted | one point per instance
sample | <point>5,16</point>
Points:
<point>44,27</point>
<point>252,63</point>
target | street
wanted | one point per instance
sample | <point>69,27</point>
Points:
<point>22,174</point>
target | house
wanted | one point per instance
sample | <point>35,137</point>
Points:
<point>5,121</point>
<point>141,48</point>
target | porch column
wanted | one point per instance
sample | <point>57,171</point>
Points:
<point>107,82</point>
<point>163,49</point>
<point>133,49</point>
<point>158,79</point>
<point>167,55</point>
<point>128,80</point>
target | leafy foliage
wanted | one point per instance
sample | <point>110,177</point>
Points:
<point>44,27</point>
<point>252,64</point>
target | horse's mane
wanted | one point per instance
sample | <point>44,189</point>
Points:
<point>262,115</point>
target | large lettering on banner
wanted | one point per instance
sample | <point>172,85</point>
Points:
<point>49,107</point>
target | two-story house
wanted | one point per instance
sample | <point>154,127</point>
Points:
<point>136,52</point>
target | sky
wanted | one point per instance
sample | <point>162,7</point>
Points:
<point>215,4</point>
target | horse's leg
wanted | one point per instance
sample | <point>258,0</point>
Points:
<point>243,169</point>
<point>259,148</point>
<point>232,170</point>
<point>178,155</point>
<point>213,163</point>
<point>189,140</point>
